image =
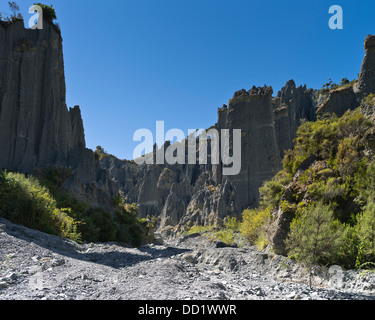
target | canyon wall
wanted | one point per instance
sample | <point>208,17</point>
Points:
<point>38,130</point>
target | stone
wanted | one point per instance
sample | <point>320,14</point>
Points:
<point>189,258</point>
<point>220,244</point>
<point>278,229</point>
<point>3,227</point>
<point>3,285</point>
<point>158,240</point>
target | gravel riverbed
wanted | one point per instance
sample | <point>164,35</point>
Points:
<point>37,266</point>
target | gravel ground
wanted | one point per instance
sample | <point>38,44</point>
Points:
<point>37,266</point>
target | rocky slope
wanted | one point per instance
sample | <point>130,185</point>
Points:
<point>36,129</point>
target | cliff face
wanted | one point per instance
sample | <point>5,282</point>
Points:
<point>36,128</point>
<point>252,112</point>
<point>291,105</point>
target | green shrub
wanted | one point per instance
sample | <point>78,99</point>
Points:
<point>232,223</point>
<point>370,99</point>
<point>199,229</point>
<point>14,16</point>
<point>347,251</point>
<point>100,153</point>
<point>254,222</point>
<point>338,178</point>
<point>226,235</point>
<point>323,137</point>
<point>25,201</point>
<point>272,190</point>
<point>366,232</point>
<point>49,12</point>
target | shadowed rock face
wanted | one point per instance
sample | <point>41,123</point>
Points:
<point>252,112</point>
<point>36,128</point>
<point>291,105</point>
<point>339,101</point>
<point>366,78</point>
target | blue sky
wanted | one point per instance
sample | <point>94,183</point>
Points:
<point>129,63</point>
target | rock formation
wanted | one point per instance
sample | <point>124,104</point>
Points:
<point>182,194</point>
<point>252,112</point>
<point>36,129</point>
<point>366,79</point>
<point>291,105</point>
<point>339,101</point>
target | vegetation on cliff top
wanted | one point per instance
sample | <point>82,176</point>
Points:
<point>15,14</point>
<point>49,13</point>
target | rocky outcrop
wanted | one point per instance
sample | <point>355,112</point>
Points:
<point>252,112</point>
<point>36,128</point>
<point>339,101</point>
<point>291,105</point>
<point>366,79</point>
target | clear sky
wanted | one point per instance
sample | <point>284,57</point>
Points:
<point>131,63</point>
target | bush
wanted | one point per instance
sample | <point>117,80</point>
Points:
<point>370,99</point>
<point>25,201</point>
<point>49,12</point>
<point>366,232</point>
<point>323,137</point>
<point>254,222</point>
<point>272,190</point>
